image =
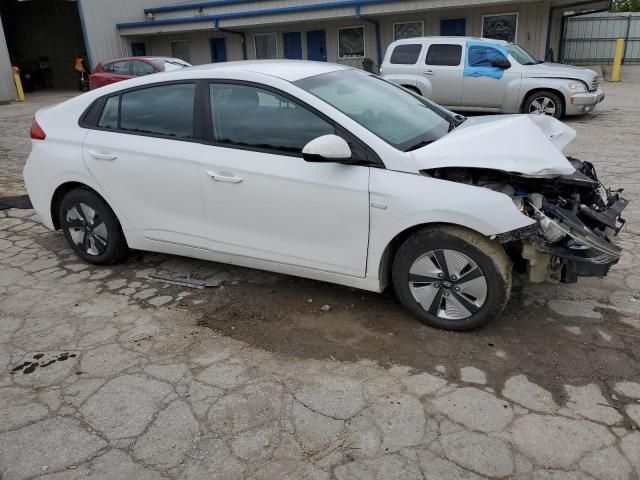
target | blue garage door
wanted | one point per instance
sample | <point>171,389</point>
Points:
<point>316,46</point>
<point>292,45</point>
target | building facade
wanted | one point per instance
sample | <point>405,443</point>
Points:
<point>342,31</point>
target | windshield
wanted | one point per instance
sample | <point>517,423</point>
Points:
<point>520,54</point>
<point>400,118</point>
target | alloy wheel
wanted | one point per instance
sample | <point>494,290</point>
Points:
<point>543,106</point>
<point>448,284</point>
<point>87,229</point>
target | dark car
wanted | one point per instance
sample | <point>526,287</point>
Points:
<point>120,69</point>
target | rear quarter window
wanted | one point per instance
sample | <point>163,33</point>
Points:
<point>405,54</point>
<point>444,55</point>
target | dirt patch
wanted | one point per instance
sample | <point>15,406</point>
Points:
<point>288,318</point>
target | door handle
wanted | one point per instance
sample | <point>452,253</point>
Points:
<point>102,156</point>
<point>223,178</point>
<point>428,72</point>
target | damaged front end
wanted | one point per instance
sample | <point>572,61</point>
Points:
<point>576,220</point>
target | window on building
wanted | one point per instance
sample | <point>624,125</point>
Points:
<point>256,118</point>
<point>445,55</point>
<point>406,54</point>
<point>351,42</point>
<point>500,27</point>
<point>141,68</point>
<point>407,30</point>
<point>180,49</point>
<point>163,110</point>
<point>120,68</point>
<point>266,45</point>
<point>109,115</point>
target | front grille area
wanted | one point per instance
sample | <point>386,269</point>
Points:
<point>595,83</point>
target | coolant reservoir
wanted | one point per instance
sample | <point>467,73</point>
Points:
<point>550,229</point>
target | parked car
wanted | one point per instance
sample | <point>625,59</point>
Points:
<point>484,75</point>
<point>120,69</point>
<point>325,172</point>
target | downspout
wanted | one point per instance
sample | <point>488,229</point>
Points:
<point>243,38</point>
<point>376,26</point>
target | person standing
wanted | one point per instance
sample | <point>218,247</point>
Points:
<point>80,67</point>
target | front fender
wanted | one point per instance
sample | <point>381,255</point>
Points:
<point>412,200</point>
<point>544,83</point>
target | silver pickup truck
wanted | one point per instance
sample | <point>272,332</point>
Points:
<point>484,75</point>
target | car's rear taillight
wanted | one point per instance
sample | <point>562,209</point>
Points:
<point>37,133</point>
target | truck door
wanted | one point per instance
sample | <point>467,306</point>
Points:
<point>440,76</point>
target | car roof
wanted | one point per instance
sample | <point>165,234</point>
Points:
<point>289,70</point>
<point>457,39</point>
<point>141,58</point>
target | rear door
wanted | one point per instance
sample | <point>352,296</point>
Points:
<point>440,76</point>
<point>143,155</point>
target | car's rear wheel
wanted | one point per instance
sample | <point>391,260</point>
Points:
<point>544,103</point>
<point>452,278</point>
<point>91,228</point>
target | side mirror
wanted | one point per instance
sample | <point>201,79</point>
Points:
<point>501,62</point>
<point>327,148</point>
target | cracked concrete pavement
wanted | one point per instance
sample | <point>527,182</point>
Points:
<point>106,373</point>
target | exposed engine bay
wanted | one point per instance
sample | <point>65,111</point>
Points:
<point>576,218</point>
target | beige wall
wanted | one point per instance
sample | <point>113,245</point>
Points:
<point>531,33</point>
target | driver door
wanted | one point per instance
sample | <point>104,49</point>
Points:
<point>264,201</point>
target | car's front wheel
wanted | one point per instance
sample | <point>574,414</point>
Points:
<point>544,103</point>
<point>452,278</point>
<point>91,228</point>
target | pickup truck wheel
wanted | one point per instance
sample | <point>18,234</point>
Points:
<point>544,103</point>
<point>452,278</point>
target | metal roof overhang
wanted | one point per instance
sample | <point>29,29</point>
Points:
<point>306,12</point>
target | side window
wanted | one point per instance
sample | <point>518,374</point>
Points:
<point>141,68</point>
<point>406,54</point>
<point>120,68</point>
<point>256,118</point>
<point>162,110</point>
<point>444,55</point>
<point>482,56</point>
<point>109,115</point>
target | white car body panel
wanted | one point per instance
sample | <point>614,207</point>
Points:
<point>152,180</point>
<point>286,210</point>
<point>511,144</point>
<point>325,221</point>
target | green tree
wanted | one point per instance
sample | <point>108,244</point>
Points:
<point>626,6</point>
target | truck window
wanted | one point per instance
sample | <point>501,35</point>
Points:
<point>445,55</point>
<point>406,54</point>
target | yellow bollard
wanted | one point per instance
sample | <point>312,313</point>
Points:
<point>617,60</point>
<point>16,78</point>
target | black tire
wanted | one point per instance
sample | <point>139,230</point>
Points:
<point>100,237</point>
<point>530,105</point>
<point>487,255</point>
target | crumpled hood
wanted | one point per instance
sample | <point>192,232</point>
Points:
<point>558,70</point>
<point>529,145</point>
